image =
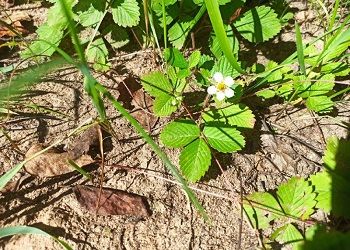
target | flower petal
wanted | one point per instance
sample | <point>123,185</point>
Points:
<point>229,81</point>
<point>229,93</point>
<point>212,90</point>
<point>218,77</point>
<point>220,95</point>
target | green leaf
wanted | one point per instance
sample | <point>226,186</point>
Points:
<point>17,230</point>
<point>336,68</point>
<point>224,139</point>
<point>165,105</point>
<point>236,115</point>
<point>179,133</point>
<point>225,67</point>
<point>156,84</point>
<point>126,13</point>
<point>48,34</point>
<point>339,45</point>
<point>56,17</point>
<point>174,57</point>
<point>288,234</point>
<point>215,45</point>
<point>90,12</point>
<point>320,104</point>
<point>194,59</point>
<point>266,93</point>
<point>178,33</point>
<point>337,154</point>
<point>323,187</point>
<point>322,86</point>
<point>258,24</point>
<point>261,208</point>
<point>116,36</point>
<point>285,91</point>
<point>297,198</point>
<point>98,54</point>
<point>275,75</point>
<point>195,160</point>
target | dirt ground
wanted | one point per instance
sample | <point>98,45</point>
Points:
<point>294,149</point>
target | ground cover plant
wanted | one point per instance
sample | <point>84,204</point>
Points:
<point>203,91</point>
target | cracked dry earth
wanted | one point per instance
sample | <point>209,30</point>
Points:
<point>284,143</point>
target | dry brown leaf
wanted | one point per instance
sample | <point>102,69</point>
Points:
<point>143,104</point>
<point>52,162</point>
<point>84,142</point>
<point>112,201</point>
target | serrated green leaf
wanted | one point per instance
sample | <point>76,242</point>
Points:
<point>178,33</point>
<point>56,17</point>
<point>288,234</point>
<point>179,133</point>
<point>236,115</point>
<point>156,84</point>
<point>116,36</point>
<point>195,160</point>
<point>223,138</point>
<point>297,198</point>
<point>46,33</point>
<point>266,93</point>
<point>174,57</point>
<point>126,13</point>
<point>215,45</point>
<point>320,104</point>
<point>165,105</point>
<point>323,187</point>
<point>258,24</point>
<point>90,12</point>
<point>225,67</point>
<point>194,59</point>
<point>261,208</point>
<point>98,54</point>
<point>322,86</point>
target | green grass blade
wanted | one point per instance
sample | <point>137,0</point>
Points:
<point>218,26</point>
<point>164,24</point>
<point>74,165</point>
<point>4,179</point>
<point>300,50</point>
<point>155,147</point>
<point>334,15</point>
<point>10,231</point>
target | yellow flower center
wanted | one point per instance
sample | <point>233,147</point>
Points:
<point>221,86</point>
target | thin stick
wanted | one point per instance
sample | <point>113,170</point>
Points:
<point>102,164</point>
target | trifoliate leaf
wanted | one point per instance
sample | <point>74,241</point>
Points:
<point>174,57</point>
<point>98,54</point>
<point>261,208</point>
<point>223,138</point>
<point>320,104</point>
<point>90,12</point>
<point>215,45</point>
<point>297,198</point>
<point>179,133</point>
<point>288,234</point>
<point>194,59</point>
<point>156,84</point>
<point>266,93</point>
<point>237,115</point>
<point>195,160</point>
<point>116,36</point>
<point>258,24</point>
<point>165,105</point>
<point>225,67</point>
<point>45,33</point>
<point>126,13</point>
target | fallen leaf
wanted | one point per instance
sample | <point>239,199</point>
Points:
<point>52,162</point>
<point>15,23</point>
<point>82,143</point>
<point>143,104</point>
<point>112,201</point>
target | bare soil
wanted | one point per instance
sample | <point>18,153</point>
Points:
<point>286,141</point>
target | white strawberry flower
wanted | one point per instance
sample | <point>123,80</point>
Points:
<point>221,87</point>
